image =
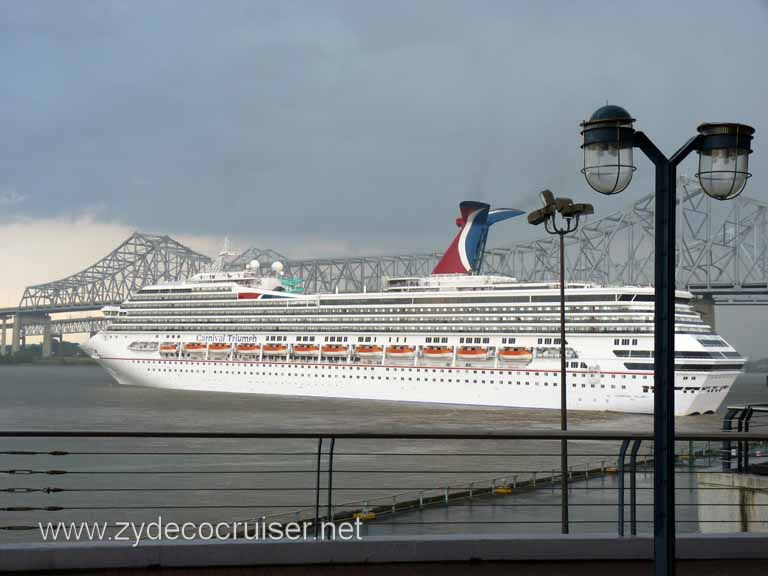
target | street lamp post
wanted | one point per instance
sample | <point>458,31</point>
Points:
<point>723,148</point>
<point>567,223</point>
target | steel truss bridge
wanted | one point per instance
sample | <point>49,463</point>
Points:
<point>722,255</point>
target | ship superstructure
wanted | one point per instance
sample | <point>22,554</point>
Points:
<point>447,338</point>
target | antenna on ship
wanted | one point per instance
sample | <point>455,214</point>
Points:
<point>221,260</point>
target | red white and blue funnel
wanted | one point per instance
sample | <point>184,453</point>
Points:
<point>465,254</point>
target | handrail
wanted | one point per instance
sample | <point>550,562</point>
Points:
<point>489,435</point>
<point>355,498</point>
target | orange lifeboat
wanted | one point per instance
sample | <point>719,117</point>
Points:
<point>219,349</point>
<point>401,351</point>
<point>472,353</point>
<point>369,351</point>
<point>248,349</point>
<point>516,354</point>
<point>305,350</point>
<point>169,348</point>
<point>195,348</point>
<point>335,351</point>
<point>276,349</point>
<point>438,352</point>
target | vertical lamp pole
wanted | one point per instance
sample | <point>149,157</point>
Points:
<point>609,138</point>
<point>567,222</point>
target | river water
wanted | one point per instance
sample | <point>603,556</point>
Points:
<point>217,480</point>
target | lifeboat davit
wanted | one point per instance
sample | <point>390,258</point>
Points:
<point>437,352</point>
<point>369,351</point>
<point>472,353</point>
<point>248,349</point>
<point>401,352</point>
<point>305,350</point>
<point>335,351</point>
<point>516,355</point>
<point>276,349</point>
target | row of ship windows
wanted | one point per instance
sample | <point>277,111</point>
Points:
<point>185,294</point>
<point>287,308</point>
<point>646,389</point>
<point>417,370</point>
<point>118,327</point>
<point>714,342</point>
<point>273,338</point>
<point>678,354</point>
<point>323,374</point>
<point>637,319</point>
<point>204,289</point>
<point>387,378</point>
<point>384,325</point>
<point>690,367</point>
<point>571,316</point>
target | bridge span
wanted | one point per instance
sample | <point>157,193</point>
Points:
<point>722,257</point>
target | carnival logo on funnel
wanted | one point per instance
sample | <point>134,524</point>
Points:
<point>465,254</point>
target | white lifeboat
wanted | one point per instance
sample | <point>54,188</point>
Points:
<point>248,349</point>
<point>473,353</point>
<point>169,349</point>
<point>195,348</point>
<point>515,354</point>
<point>335,351</point>
<point>401,351</point>
<point>367,351</point>
<point>219,349</point>
<point>275,349</point>
<point>437,352</point>
<point>305,350</point>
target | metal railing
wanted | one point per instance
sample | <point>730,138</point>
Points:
<point>393,483</point>
<point>747,417</point>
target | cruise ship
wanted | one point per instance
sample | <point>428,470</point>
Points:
<point>454,337</point>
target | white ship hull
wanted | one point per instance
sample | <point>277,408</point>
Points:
<point>472,320</point>
<point>478,385</point>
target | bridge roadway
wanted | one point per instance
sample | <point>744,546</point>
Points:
<point>41,324</point>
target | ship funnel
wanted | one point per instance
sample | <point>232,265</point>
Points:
<point>465,254</point>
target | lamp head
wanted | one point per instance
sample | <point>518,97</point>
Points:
<point>608,143</point>
<point>724,151</point>
<point>575,210</point>
<point>539,216</point>
<point>547,198</point>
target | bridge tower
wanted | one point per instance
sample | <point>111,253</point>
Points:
<point>46,336</point>
<point>18,326</point>
<point>3,321</point>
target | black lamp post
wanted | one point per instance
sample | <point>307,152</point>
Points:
<point>723,149</point>
<point>567,222</point>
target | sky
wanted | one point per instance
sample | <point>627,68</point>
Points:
<point>337,127</point>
